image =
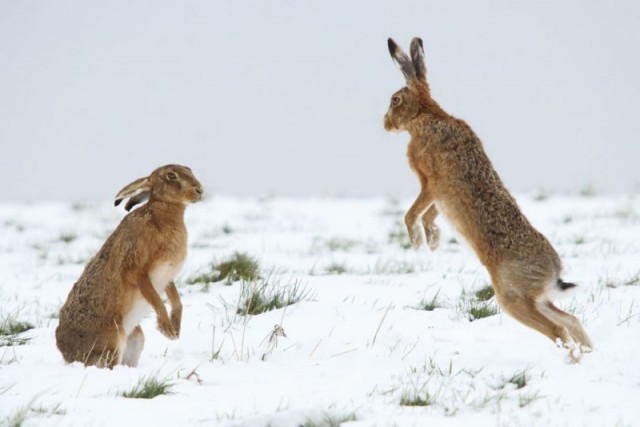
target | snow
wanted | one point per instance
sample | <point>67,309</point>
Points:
<point>355,346</point>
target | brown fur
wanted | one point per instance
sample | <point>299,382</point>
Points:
<point>148,241</point>
<point>458,180</point>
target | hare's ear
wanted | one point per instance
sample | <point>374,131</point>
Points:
<point>141,197</point>
<point>402,60</point>
<point>417,56</point>
<point>138,191</point>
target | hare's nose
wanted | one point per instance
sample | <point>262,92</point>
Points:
<point>199,190</point>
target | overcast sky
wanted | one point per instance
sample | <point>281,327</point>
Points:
<point>287,97</point>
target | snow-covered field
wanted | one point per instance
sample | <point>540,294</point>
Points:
<point>356,346</point>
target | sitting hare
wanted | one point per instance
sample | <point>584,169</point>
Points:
<point>458,180</point>
<point>100,321</point>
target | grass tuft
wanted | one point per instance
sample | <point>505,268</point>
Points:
<point>340,244</point>
<point>527,399</point>
<point>633,280</point>
<point>20,416</point>
<point>541,195</point>
<point>68,237</point>
<point>269,294</point>
<point>416,398</point>
<point>335,268</point>
<point>240,266</point>
<point>10,330</point>
<point>17,419</point>
<point>149,387</point>
<point>330,420</point>
<point>478,305</point>
<point>519,380</point>
<point>485,294</point>
<point>481,309</point>
<point>430,305</point>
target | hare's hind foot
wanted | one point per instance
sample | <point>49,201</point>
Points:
<point>578,335</point>
<point>133,348</point>
<point>574,350</point>
<point>547,319</point>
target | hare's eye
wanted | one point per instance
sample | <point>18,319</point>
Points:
<point>171,176</point>
<point>395,100</point>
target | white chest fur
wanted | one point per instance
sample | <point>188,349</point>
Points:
<point>160,277</point>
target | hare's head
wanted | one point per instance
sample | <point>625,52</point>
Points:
<point>170,183</point>
<point>411,100</point>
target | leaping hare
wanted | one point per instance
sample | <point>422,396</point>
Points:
<point>99,322</point>
<point>458,180</point>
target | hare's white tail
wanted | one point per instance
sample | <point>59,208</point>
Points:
<point>560,290</point>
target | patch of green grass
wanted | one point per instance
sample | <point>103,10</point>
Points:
<point>633,280</point>
<point>416,398</point>
<point>330,420</point>
<point>335,268</point>
<point>541,195</point>
<point>429,304</point>
<point>10,330</point>
<point>269,294</point>
<point>519,380</point>
<point>21,415</point>
<point>17,419</point>
<point>43,410</point>
<point>479,304</point>
<point>68,237</point>
<point>481,309</point>
<point>578,240</point>
<point>485,293</point>
<point>526,399</point>
<point>240,266</point>
<point>339,244</point>
<point>149,387</point>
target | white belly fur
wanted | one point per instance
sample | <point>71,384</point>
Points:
<point>160,277</point>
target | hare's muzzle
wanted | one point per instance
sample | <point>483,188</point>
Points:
<point>388,124</point>
<point>198,193</point>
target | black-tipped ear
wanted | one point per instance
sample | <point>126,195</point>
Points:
<point>137,199</point>
<point>417,56</point>
<point>402,60</point>
<point>137,192</point>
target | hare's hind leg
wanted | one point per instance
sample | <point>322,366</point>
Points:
<point>570,322</point>
<point>133,347</point>
<point>88,346</point>
<point>104,350</point>
<point>533,314</point>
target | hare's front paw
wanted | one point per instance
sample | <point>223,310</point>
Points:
<point>417,235</point>
<point>166,328</point>
<point>176,320</point>
<point>433,236</point>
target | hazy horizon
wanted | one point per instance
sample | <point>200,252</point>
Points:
<point>287,98</point>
